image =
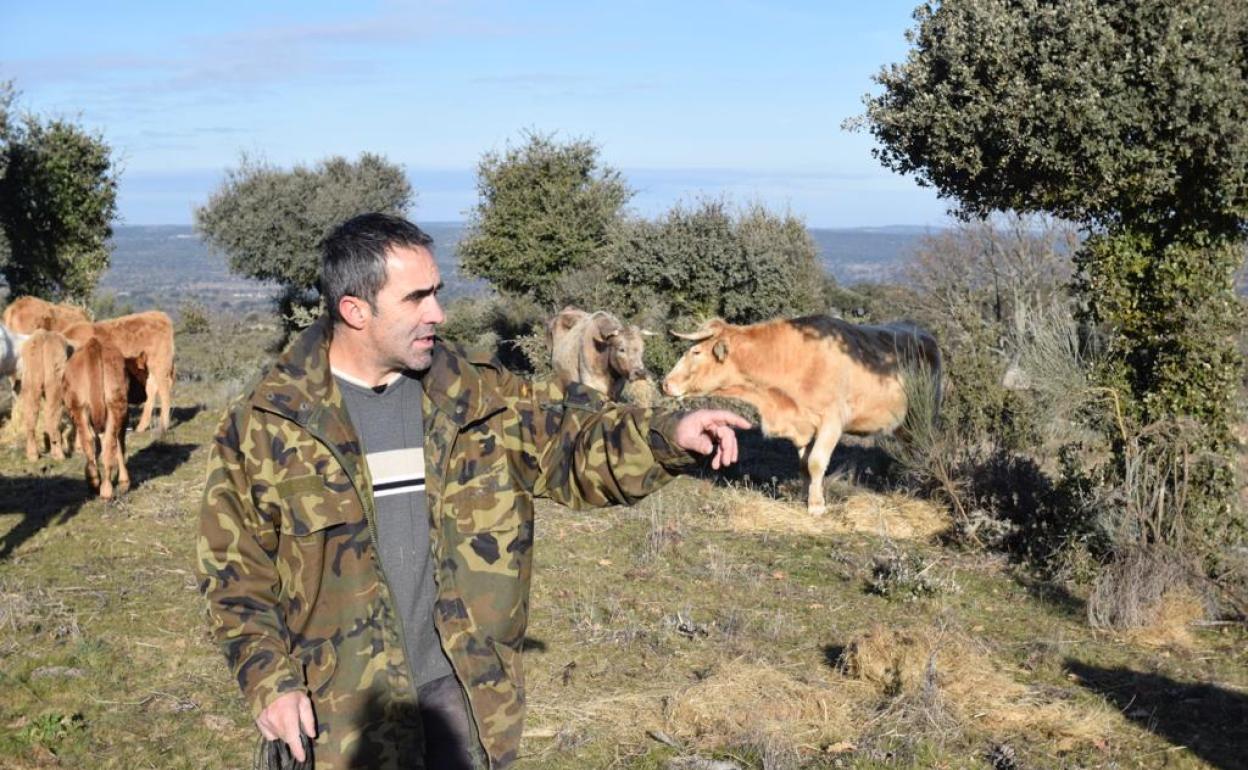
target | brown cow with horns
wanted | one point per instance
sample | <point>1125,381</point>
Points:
<point>810,378</point>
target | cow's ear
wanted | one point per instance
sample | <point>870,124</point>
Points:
<point>720,350</point>
<point>606,327</point>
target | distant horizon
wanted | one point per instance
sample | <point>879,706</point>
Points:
<point>462,222</point>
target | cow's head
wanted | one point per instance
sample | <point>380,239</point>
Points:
<point>705,367</point>
<point>624,346</point>
<point>79,333</point>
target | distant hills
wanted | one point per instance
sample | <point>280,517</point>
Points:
<point>167,265</point>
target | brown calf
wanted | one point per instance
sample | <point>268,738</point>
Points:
<point>148,334</point>
<point>42,368</point>
<point>95,395</point>
<point>29,314</point>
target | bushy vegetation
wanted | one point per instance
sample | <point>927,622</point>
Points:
<point>58,199</point>
<point>269,222</point>
<point>550,230</point>
<point>1126,119</point>
<point>698,262</point>
<point>545,208</point>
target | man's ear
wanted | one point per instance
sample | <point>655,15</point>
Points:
<point>354,311</point>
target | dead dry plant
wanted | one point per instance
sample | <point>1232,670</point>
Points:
<point>747,703</point>
<point>968,683</point>
<point>1152,593</point>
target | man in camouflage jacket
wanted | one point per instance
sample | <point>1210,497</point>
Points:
<point>287,549</point>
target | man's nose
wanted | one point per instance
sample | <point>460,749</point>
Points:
<point>437,315</point>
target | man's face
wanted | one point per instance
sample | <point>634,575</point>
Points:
<point>406,312</point>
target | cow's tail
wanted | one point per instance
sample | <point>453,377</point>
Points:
<point>95,382</point>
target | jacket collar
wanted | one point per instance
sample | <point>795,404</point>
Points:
<point>300,381</point>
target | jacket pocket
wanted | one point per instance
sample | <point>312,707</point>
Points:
<point>314,502</point>
<point>320,661</point>
<point>480,491</point>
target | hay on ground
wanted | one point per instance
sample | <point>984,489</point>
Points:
<point>973,685</point>
<point>893,515</point>
<point>749,702</point>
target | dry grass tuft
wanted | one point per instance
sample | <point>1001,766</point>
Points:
<point>893,515</point>
<point>1152,595</point>
<point>752,703</point>
<point>16,607</point>
<point>1171,626</point>
<point>970,683</point>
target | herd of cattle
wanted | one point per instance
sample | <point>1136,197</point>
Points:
<point>811,379</point>
<point>62,362</point>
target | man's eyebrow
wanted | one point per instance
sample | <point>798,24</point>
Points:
<point>420,294</point>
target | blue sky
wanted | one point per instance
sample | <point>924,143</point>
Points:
<point>743,99</point>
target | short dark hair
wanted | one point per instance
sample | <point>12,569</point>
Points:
<point>353,256</point>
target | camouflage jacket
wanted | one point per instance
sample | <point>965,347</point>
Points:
<point>287,553</point>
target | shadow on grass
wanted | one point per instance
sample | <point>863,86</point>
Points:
<point>1055,595</point>
<point>1212,722</point>
<point>46,501</point>
<point>177,415</point>
<point>763,459</point>
<point>834,656</point>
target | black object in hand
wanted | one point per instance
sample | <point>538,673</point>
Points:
<point>275,755</point>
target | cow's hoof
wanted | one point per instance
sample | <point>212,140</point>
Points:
<point>817,510</point>
<point>57,454</point>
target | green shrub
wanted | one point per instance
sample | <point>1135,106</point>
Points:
<point>545,209</point>
<point>512,328</point>
<point>193,318</point>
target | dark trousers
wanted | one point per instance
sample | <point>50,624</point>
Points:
<point>448,736</point>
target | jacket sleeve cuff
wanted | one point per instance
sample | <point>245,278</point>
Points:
<point>263,682</point>
<point>662,442</point>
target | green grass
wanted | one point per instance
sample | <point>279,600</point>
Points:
<point>105,659</point>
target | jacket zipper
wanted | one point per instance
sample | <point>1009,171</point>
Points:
<point>463,688</point>
<point>370,517</point>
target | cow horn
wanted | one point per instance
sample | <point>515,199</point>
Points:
<point>698,336</point>
<point>647,333</point>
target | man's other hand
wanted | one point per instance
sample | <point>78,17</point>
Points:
<point>710,432</point>
<point>284,717</point>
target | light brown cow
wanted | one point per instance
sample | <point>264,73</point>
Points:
<point>149,334</point>
<point>25,315</point>
<point>42,368</point>
<point>95,396</point>
<point>596,350</point>
<point>811,379</point>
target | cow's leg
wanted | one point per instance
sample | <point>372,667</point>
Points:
<point>152,386</point>
<point>52,409</point>
<point>818,455</point>
<point>86,441</point>
<point>119,443</point>
<point>108,451</point>
<point>166,400</point>
<point>30,422</point>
